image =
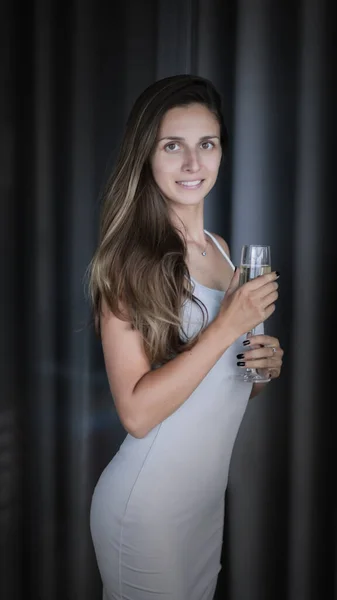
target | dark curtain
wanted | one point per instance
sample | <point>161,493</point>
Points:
<point>70,73</point>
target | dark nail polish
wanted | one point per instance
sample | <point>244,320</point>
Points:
<point>246,342</point>
<point>277,273</point>
<point>240,356</point>
<point>241,364</point>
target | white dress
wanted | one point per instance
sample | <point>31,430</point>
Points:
<point>157,511</point>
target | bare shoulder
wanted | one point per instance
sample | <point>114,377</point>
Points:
<point>222,243</point>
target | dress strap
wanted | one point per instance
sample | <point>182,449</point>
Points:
<point>220,248</point>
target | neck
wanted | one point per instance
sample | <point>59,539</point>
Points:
<point>189,221</point>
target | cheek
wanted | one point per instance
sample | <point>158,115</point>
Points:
<point>161,169</point>
<point>213,163</point>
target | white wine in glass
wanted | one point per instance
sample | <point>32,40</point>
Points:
<point>255,261</point>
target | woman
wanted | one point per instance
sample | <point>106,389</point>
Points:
<point>172,321</point>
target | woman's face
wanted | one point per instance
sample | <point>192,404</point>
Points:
<point>187,154</point>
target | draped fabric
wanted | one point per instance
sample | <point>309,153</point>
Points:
<point>70,73</point>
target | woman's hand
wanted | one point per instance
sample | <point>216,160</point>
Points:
<point>263,353</point>
<point>243,308</point>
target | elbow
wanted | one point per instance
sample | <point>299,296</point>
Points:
<point>136,432</point>
<point>134,428</point>
<point>131,416</point>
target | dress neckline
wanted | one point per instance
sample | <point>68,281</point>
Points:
<point>222,292</point>
<point>206,287</point>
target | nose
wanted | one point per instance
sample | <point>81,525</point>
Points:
<point>191,161</point>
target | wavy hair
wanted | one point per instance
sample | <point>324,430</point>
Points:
<point>139,268</point>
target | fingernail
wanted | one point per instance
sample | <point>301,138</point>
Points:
<point>246,342</point>
<point>240,356</point>
<point>241,364</point>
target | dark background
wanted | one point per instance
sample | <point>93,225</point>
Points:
<point>69,75</point>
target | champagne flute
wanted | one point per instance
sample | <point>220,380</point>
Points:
<point>255,261</point>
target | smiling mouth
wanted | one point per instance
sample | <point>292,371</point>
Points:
<point>191,185</point>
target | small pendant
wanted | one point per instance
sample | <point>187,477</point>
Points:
<point>204,253</point>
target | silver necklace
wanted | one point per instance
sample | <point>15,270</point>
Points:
<point>203,253</point>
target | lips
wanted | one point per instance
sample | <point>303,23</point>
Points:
<point>190,185</point>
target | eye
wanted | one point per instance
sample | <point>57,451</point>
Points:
<point>209,144</point>
<point>169,148</point>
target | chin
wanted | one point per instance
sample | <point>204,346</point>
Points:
<point>185,199</point>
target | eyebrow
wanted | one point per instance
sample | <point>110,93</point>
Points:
<point>176,137</point>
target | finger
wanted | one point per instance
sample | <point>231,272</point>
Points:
<point>261,280</point>
<point>269,299</point>
<point>257,354</point>
<point>269,311</point>
<point>234,282</point>
<point>267,289</point>
<point>273,358</point>
<point>264,340</point>
<point>261,363</point>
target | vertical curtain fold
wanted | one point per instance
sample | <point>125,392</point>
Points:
<point>312,493</point>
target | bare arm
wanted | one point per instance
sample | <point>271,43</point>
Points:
<point>161,392</point>
<point>145,398</point>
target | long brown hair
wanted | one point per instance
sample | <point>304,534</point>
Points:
<point>140,263</point>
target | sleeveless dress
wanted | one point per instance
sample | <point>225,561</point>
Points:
<point>157,511</point>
